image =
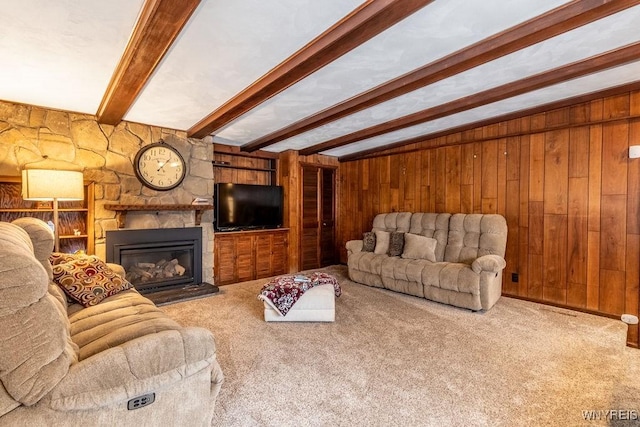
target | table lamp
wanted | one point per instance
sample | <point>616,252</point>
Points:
<point>50,180</point>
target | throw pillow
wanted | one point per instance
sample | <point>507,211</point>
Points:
<point>60,258</point>
<point>88,280</point>
<point>368,241</point>
<point>396,243</point>
<point>382,242</point>
<point>419,247</point>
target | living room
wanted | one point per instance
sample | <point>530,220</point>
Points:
<point>561,172</point>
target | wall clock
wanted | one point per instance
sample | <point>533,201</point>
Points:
<point>159,166</point>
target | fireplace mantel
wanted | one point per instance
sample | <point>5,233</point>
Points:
<point>122,210</point>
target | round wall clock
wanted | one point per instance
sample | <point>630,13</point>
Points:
<point>159,166</point>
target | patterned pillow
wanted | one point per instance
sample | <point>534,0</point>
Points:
<point>88,280</point>
<point>60,258</point>
<point>396,243</point>
<point>368,241</point>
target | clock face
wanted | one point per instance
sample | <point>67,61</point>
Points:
<point>159,166</point>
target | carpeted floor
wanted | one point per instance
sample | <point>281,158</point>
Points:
<point>395,360</point>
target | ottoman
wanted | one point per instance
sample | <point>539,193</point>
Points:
<point>316,304</point>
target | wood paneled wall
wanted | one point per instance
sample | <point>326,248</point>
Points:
<point>562,179</point>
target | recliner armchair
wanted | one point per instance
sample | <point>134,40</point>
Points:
<point>121,362</point>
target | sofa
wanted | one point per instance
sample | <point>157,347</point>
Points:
<point>120,362</point>
<point>455,259</point>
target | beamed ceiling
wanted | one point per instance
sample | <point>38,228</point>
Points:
<point>344,78</point>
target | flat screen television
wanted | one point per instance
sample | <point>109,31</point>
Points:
<point>247,206</point>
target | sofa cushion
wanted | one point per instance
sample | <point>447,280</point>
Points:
<point>368,262</point>
<point>396,243</point>
<point>88,280</point>
<point>41,237</point>
<point>116,320</point>
<point>382,242</point>
<point>474,235</point>
<point>434,225</point>
<point>368,241</point>
<point>419,247</point>
<point>394,221</point>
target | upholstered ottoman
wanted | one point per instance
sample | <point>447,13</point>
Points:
<point>316,304</point>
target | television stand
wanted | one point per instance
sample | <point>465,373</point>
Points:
<point>250,254</point>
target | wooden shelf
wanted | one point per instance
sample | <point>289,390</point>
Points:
<point>122,210</point>
<point>246,168</point>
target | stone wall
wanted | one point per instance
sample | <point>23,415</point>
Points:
<point>106,153</point>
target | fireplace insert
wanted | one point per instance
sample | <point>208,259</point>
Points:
<point>160,260</point>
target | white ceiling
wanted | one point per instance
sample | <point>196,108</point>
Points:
<point>61,54</point>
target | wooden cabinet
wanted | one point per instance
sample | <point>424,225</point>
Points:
<point>75,218</point>
<point>247,255</point>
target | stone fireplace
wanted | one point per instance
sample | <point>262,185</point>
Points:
<point>162,264</point>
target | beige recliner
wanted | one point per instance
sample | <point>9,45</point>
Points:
<point>120,362</point>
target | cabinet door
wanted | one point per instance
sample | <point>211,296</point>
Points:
<point>279,253</point>
<point>263,255</point>
<point>244,258</point>
<point>225,260</point>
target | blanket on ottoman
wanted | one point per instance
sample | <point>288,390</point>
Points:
<point>282,292</point>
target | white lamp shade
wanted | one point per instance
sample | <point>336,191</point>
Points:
<point>48,184</point>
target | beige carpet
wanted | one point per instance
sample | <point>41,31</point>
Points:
<point>396,360</point>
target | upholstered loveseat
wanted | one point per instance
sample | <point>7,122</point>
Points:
<point>453,259</point>
<point>64,364</point>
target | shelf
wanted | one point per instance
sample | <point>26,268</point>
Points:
<point>122,210</point>
<point>73,236</point>
<point>246,168</point>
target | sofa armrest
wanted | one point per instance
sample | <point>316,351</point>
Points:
<point>117,268</point>
<point>354,246</point>
<point>491,263</point>
<point>140,366</point>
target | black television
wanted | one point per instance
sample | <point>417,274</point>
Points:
<point>247,206</point>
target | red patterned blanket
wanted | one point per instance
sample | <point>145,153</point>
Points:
<point>283,291</point>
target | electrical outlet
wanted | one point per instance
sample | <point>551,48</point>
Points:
<point>514,277</point>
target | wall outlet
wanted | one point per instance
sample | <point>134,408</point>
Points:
<point>514,277</point>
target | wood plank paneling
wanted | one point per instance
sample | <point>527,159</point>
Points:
<point>569,192</point>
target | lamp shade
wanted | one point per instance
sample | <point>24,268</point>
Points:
<point>49,184</point>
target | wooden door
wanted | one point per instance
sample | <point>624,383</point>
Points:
<point>317,247</point>
<point>328,218</point>
<point>310,235</point>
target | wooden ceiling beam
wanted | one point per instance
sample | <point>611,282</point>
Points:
<point>365,22</point>
<point>543,27</point>
<point>390,149</point>
<point>570,71</point>
<point>158,25</point>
